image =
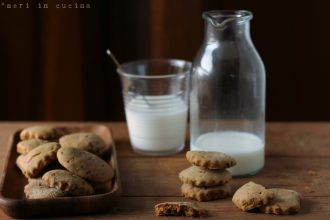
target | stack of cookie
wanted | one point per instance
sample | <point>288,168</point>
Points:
<point>207,179</point>
<point>58,165</point>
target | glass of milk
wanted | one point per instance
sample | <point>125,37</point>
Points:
<point>155,95</point>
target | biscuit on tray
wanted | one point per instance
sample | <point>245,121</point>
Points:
<point>38,189</point>
<point>67,182</point>
<point>85,141</point>
<point>43,132</point>
<point>32,163</point>
<point>85,164</point>
<point>26,146</point>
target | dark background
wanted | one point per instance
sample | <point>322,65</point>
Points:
<point>53,64</point>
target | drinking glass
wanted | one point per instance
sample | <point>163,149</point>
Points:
<point>155,95</point>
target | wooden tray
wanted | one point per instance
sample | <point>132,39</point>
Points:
<point>12,182</point>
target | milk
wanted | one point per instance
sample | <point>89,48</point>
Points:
<point>246,148</point>
<point>156,124</point>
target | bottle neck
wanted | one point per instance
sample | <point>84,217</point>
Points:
<point>231,32</point>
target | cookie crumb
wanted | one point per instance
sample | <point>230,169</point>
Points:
<point>187,209</point>
<point>312,172</point>
<point>308,189</point>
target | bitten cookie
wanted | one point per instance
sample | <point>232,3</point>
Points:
<point>285,202</point>
<point>251,195</point>
<point>37,189</point>
<point>199,176</point>
<point>85,164</point>
<point>205,193</point>
<point>40,132</point>
<point>67,182</point>
<point>179,209</point>
<point>210,160</point>
<point>26,146</point>
<point>85,141</point>
<point>32,163</point>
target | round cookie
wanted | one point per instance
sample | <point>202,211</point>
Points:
<point>198,176</point>
<point>43,132</point>
<point>26,146</point>
<point>210,160</point>
<point>285,202</point>
<point>203,194</point>
<point>84,141</point>
<point>37,189</point>
<point>67,182</point>
<point>32,163</point>
<point>85,164</point>
<point>251,195</point>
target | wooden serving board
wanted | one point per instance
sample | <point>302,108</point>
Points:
<point>12,182</point>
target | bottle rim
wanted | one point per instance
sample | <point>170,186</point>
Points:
<point>219,18</point>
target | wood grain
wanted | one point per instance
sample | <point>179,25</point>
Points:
<point>292,150</point>
<point>152,176</point>
<point>142,208</point>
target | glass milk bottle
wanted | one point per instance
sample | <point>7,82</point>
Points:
<point>227,109</point>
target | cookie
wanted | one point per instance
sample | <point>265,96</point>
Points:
<point>43,132</point>
<point>85,141</point>
<point>205,193</point>
<point>251,195</point>
<point>67,182</point>
<point>32,163</point>
<point>199,176</point>
<point>37,189</point>
<point>19,162</point>
<point>179,209</point>
<point>85,164</point>
<point>210,160</point>
<point>285,202</point>
<point>26,146</point>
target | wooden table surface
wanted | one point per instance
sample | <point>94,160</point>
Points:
<point>292,149</point>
